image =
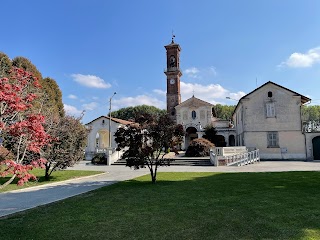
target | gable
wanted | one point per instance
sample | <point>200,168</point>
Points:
<point>271,86</point>
<point>194,102</point>
<point>115,120</point>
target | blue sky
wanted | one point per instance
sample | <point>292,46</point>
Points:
<point>98,47</point>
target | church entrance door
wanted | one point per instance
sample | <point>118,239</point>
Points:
<point>191,133</point>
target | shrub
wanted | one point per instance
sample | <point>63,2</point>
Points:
<point>199,147</point>
<point>99,158</point>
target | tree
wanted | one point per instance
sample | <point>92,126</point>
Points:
<point>210,133</point>
<point>5,65</point>
<point>21,129</point>
<point>146,142</point>
<point>199,147</point>
<point>223,111</point>
<point>52,97</point>
<point>310,113</point>
<point>131,113</point>
<point>67,148</point>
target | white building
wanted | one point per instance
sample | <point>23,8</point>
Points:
<point>269,119</point>
<point>101,131</point>
<point>195,114</point>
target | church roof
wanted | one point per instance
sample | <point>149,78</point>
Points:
<point>194,102</point>
<point>304,99</point>
<point>117,120</point>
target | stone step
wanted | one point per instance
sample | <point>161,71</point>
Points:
<point>179,162</point>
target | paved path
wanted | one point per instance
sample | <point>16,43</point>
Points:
<point>20,200</point>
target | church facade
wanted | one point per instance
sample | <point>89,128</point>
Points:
<point>193,114</point>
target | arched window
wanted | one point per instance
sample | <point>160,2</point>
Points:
<point>193,114</point>
<point>270,94</point>
<point>97,139</point>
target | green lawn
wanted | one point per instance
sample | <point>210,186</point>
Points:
<point>55,177</point>
<point>182,206</point>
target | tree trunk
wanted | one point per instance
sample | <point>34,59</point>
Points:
<point>8,182</point>
<point>47,175</point>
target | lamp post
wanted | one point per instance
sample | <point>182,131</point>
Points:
<point>232,98</point>
<point>110,119</point>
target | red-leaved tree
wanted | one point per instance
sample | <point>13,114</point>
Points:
<point>21,128</point>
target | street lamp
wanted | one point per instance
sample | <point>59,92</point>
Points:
<point>110,119</point>
<point>232,98</point>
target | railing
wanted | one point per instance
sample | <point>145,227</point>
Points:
<point>311,126</point>
<point>227,151</point>
<point>235,160</point>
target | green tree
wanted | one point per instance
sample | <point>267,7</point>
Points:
<point>223,112</point>
<point>132,113</point>
<point>145,141</point>
<point>27,65</point>
<point>5,65</point>
<point>67,148</point>
<point>50,101</point>
<point>310,113</point>
<point>53,96</point>
<point>210,133</point>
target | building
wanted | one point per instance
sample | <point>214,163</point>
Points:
<point>193,114</point>
<point>101,131</point>
<point>269,119</point>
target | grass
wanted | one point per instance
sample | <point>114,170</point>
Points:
<point>55,177</point>
<point>184,206</point>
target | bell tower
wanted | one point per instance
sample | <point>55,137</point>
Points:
<point>173,74</point>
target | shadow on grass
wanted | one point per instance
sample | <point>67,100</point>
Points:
<point>282,205</point>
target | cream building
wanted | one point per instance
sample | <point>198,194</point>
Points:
<point>100,133</point>
<point>269,119</point>
<point>195,114</point>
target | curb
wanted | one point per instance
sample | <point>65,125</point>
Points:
<point>53,184</point>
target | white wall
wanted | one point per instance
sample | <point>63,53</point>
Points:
<point>252,123</point>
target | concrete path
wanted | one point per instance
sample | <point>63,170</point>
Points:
<point>20,200</point>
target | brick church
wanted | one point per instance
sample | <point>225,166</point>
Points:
<point>193,114</point>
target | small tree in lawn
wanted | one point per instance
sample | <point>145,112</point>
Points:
<point>67,148</point>
<point>21,130</point>
<point>146,142</point>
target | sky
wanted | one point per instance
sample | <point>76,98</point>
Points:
<point>93,48</point>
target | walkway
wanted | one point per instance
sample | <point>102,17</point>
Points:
<point>20,200</point>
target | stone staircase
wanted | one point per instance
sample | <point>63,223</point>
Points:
<point>180,161</point>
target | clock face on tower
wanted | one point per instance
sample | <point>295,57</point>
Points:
<point>172,81</point>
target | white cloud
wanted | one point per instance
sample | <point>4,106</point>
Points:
<point>71,96</point>
<point>90,106</point>
<point>160,92</point>
<point>90,81</point>
<point>212,93</point>
<point>71,110</point>
<point>237,95</point>
<point>302,60</point>
<point>192,72</point>
<point>200,73</point>
<point>138,100</point>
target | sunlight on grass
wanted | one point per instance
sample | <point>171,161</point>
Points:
<point>311,234</point>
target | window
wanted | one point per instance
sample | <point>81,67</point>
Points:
<point>272,139</point>
<point>270,109</point>
<point>193,114</point>
<point>269,94</point>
